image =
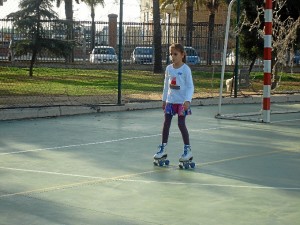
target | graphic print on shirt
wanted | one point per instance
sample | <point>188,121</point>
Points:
<point>173,84</point>
<point>184,82</point>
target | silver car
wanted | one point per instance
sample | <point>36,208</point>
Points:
<point>103,54</point>
<point>142,55</point>
<point>192,56</point>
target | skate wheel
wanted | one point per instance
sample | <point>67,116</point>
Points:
<point>180,166</point>
<point>186,166</point>
<point>155,163</point>
<point>167,162</point>
<point>192,165</point>
<point>161,163</point>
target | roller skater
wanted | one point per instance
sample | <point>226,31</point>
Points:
<point>177,96</point>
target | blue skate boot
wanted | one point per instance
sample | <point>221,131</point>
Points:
<point>160,158</point>
<point>186,159</point>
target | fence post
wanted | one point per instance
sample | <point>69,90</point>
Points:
<point>112,30</point>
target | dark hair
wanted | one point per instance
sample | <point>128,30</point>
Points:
<point>179,47</point>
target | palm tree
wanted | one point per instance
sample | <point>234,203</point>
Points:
<point>189,22</point>
<point>212,6</point>
<point>92,4</point>
<point>69,18</point>
<point>157,68</point>
<point>178,5</point>
<point>68,8</point>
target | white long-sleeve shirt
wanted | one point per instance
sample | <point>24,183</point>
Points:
<point>183,90</point>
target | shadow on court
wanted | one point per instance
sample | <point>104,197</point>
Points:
<point>97,169</point>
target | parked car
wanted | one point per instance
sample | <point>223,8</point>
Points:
<point>296,58</point>
<point>192,56</point>
<point>142,55</point>
<point>230,58</point>
<point>103,54</point>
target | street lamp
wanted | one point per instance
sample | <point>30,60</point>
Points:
<point>169,9</point>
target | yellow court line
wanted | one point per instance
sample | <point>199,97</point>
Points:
<point>240,157</point>
<point>124,177</point>
<point>72,185</point>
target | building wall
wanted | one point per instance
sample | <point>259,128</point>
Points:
<point>200,15</point>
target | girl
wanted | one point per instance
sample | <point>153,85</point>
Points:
<point>177,96</point>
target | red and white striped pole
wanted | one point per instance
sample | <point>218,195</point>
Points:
<point>267,61</point>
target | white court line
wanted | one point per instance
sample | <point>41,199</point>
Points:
<point>79,145</point>
<point>99,179</point>
<point>51,173</point>
<point>93,177</point>
<point>77,184</point>
<point>280,121</point>
<point>131,138</point>
<point>125,177</point>
<point>105,142</point>
<point>212,185</point>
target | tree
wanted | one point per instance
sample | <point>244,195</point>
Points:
<point>157,67</point>
<point>251,42</point>
<point>189,22</point>
<point>28,21</point>
<point>92,4</point>
<point>286,26</point>
<point>212,6</point>
<point>69,18</point>
<point>178,5</point>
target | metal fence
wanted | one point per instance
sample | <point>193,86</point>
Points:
<point>100,86</point>
<point>83,82</point>
<point>134,34</point>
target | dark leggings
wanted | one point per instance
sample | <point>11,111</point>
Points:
<point>181,126</point>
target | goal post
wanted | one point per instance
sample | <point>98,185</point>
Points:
<point>266,102</point>
<point>267,61</point>
<point>224,56</point>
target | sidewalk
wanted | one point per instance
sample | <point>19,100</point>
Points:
<point>55,111</point>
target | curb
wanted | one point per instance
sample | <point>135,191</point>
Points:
<point>56,111</point>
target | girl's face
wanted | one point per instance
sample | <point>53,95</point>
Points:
<point>176,56</point>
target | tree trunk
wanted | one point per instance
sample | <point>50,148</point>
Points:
<point>70,31</point>
<point>93,31</point>
<point>157,67</point>
<point>189,22</point>
<point>211,26</point>
<point>35,39</point>
<point>252,64</point>
<point>275,77</point>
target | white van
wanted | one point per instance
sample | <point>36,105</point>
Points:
<point>103,54</point>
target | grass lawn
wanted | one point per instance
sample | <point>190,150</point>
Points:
<point>82,82</point>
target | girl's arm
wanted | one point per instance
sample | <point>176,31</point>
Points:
<point>189,86</point>
<point>166,86</point>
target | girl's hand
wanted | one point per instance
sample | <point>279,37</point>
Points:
<point>186,105</point>
<point>164,105</point>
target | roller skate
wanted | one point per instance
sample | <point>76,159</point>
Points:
<point>186,159</point>
<point>160,158</point>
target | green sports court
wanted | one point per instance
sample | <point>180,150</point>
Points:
<point>98,169</point>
